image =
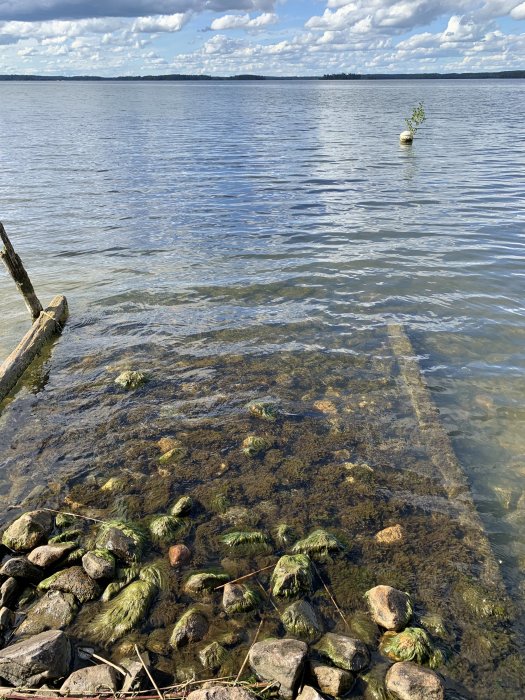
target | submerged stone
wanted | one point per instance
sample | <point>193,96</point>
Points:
<point>124,540</point>
<point>301,620</point>
<point>182,507</point>
<point>131,379</point>
<point>179,555</point>
<point>204,581</point>
<point>42,657</point>
<point>408,681</point>
<point>55,610</point>
<point>192,627</point>
<point>213,656</point>
<point>254,446</point>
<point>292,575</point>
<point>280,661</point>
<point>344,652</point>
<point>412,644</point>
<point>237,598</point>
<point>332,681</point>
<point>264,409</point>
<point>28,531</point>
<point>318,542</point>
<point>390,535</point>
<point>390,608</point>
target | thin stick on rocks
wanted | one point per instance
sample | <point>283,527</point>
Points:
<point>148,672</point>
<point>74,515</point>
<point>248,653</point>
<point>330,595</point>
<point>109,663</point>
<point>242,578</point>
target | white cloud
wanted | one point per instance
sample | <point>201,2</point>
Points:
<point>243,21</point>
<point>161,23</point>
<point>518,12</point>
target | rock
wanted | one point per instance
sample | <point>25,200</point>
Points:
<point>213,656</point>
<point>76,581</point>
<point>204,581</point>
<point>408,681</point>
<point>91,680</point>
<point>309,693</point>
<point>134,672</point>
<point>182,507</point>
<point>344,652</point>
<point>280,661</point>
<point>191,627</point>
<point>20,567</point>
<point>238,598</point>
<point>31,661</point>
<point>7,619</point>
<point>99,564</point>
<point>8,592</point>
<point>48,554</point>
<point>301,620</point>
<point>28,531</point>
<point>55,610</point>
<point>121,545</point>
<point>131,379</point>
<point>292,575</point>
<point>406,137</point>
<point>221,692</point>
<point>178,555</point>
<point>330,680</point>
<point>389,607</point>
<point>390,535</point>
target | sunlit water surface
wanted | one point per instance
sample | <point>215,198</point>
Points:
<point>203,220</point>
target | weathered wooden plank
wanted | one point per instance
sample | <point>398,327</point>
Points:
<point>48,323</point>
<point>17,271</point>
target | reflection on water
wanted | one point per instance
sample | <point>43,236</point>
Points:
<point>186,221</point>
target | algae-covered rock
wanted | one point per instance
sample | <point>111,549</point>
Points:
<point>332,681</point>
<point>164,528</point>
<point>131,379</point>
<point>99,564</point>
<point>213,656</point>
<point>28,531</point>
<point>318,542</point>
<point>75,580</point>
<point>412,644</point>
<point>283,534</point>
<point>182,507</point>
<point>280,661</point>
<point>360,626</point>
<point>265,410</point>
<point>292,576</point>
<point>253,446</point>
<point>192,627</point>
<point>116,484</point>
<point>390,608</point>
<point>124,539</point>
<point>250,538</point>
<point>55,610</point>
<point>374,682</point>
<point>300,620</point>
<point>175,453</point>
<point>205,581</point>
<point>49,554</point>
<point>344,652</point>
<point>408,681</point>
<point>480,601</point>
<point>237,598</point>
<point>72,536</point>
<point>44,656</point>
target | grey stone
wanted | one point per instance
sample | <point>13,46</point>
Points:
<point>20,567</point>
<point>191,627</point>
<point>213,656</point>
<point>55,610</point>
<point>7,618</point>
<point>97,566</point>
<point>390,608</point>
<point>280,661</point>
<point>221,692</point>
<point>134,672</point>
<point>49,554</point>
<point>330,680</point>
<point>309,693</point>
<point>91,680</point>
<point>344,652</point>
<point>28,531</point>
<point>408,681</point>
<point>301,620</point>
<point>76,581</point>
<point>8,592</point>
<point>122,546</point>
<point>41,657</point>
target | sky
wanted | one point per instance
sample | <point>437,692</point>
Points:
<point>270,37</point>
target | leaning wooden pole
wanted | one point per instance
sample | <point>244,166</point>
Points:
<point>47,322</point>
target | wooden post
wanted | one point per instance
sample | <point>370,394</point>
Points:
<point>18,273</point>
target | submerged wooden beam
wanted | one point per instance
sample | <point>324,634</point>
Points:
<point>49,322</point>
<point>17,271</point>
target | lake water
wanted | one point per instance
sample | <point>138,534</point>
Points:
<point>190,225</point>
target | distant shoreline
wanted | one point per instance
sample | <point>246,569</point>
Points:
<point>177,77</point>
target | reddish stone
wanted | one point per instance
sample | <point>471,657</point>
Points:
<point>178,554</point>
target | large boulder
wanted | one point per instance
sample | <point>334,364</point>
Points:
<point>45,656</point>
<point>55,610</point>
<point>221,692</point>
<point>28,531</point>
<point>280,661</point>
<point>344,652</point>
<point>20,567</point>
<point>49,554</point>
<point>75,580</point>
<point>91,681</point>
<point>390,608</point>
<point>330,680</point>
<point>408,681</point>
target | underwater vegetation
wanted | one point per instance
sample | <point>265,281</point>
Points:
<point>264,410</point>
<point>164,528</point>
<point>131,379</point>
<point>318,542</point>
<point>412,644</point>
<point>235,539</point>
<point>253,446</point>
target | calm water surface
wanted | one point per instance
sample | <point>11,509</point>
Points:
<point>223,219</point>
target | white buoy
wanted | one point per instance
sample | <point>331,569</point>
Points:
<point>406,136</point>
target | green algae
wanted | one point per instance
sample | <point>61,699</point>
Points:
<point>412,644</point>
<point>318,542</point>
<point>292,576</point>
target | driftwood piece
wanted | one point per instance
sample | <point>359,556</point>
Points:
<point>48,323</point>
<point>14,265</point>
